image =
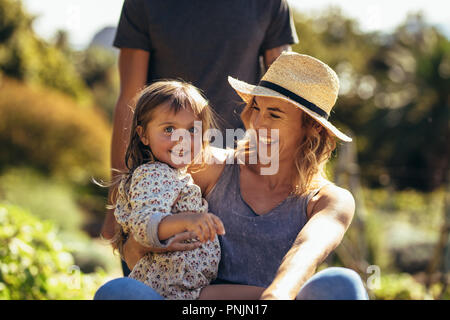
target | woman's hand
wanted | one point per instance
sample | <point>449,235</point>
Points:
<point>204,225</point>
<point>133,251</point>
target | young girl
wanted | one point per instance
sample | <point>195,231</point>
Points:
<point>157,187</point>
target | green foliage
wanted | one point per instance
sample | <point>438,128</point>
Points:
<point>49,132</point>
<point>401,222</point>
<point>98,68</point>
<point>26,57</point>
<point>398,233</point>
<point>377,244</point>
<point>35,264</point>
<point>12,17</point>
<point>404,287</point>
<point>403,228</point>
<point>46,198</point>
<point>92,254</point>
<point>55,201</point>
<point>411,122</point>
<point>393,97</point>
<point>418,209</point>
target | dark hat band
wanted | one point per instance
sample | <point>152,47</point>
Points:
<point>311,106</point>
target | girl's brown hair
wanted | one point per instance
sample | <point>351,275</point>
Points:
<point>176,95</point>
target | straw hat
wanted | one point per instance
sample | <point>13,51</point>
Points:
<point>304,81</point>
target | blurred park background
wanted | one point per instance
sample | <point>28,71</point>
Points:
<point>58,88</point>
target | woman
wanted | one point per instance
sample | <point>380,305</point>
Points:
<point>279,226</point>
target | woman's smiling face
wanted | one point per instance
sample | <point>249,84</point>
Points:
<point>276,114</point>
<point>170,135</point>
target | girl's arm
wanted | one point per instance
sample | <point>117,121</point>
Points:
<point>331,216</point>
<point>205,226</point>
<point>172,225</point>
<point>133,251</point>
<point>153,189</point>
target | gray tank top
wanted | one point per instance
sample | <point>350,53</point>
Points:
<point>254,245</point>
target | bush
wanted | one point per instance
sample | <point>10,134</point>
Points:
<point>46,198</point>
<point>403,227</point>
<point>98,68</point>
<point>404,287</point>
<point>34,263</point>
<point>50,132</point>
<point>93,254</point>
<point>375,231</point>
<point>55,201</point>
<point>24,56</point>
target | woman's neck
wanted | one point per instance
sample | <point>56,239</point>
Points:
<point>282,178</point>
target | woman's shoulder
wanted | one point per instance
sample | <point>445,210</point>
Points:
<point>331,196</point>
<point>208,175</point>
<point>335,192</point>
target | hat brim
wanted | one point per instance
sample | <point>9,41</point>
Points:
<point>247,91</point>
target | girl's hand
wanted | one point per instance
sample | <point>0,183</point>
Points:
<point>204,225</point>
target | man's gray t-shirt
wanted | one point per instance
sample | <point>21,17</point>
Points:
<point>204,41</point>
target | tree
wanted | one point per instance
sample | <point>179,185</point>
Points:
<point>411,124</point>
<point>26,57</point>
<point>393,95</point>
<point>98,68</point>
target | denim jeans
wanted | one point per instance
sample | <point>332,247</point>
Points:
<point>329,284</point>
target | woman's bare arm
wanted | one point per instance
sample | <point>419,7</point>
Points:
<point>330,218</point>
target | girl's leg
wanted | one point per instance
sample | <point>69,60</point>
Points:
<point>126,289</point>
<point>334,284</point>
<point>230,292</point>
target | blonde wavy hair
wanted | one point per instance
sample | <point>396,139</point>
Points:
<point>177,95</point>
<point>310,156</point>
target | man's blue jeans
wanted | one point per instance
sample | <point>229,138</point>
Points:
<point>328,284</point>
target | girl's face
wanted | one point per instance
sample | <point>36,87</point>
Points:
<point>272,113</point>
<point>170,136</point>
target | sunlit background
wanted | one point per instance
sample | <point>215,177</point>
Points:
<point>59,84</point>
<point>84,18</point>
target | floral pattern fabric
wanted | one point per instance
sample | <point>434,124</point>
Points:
<point>156,191</point>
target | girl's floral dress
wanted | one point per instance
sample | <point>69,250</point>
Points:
<point>156,191</point>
